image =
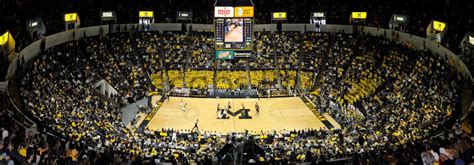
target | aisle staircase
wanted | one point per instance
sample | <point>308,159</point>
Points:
<point>323,68</point>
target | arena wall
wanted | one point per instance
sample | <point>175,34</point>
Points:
<point>201,27</point>
<point>31,50</point>
<point>265,27</point>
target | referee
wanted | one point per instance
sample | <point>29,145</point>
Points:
<point>195,126</point>
<point>257,108</point>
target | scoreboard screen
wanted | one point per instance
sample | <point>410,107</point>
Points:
<point>234,30</point>
<point>233,33</point>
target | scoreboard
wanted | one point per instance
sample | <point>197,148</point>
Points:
<point>233,30</point>
<point>234,33</point>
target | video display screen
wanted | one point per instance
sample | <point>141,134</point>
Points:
<point>233,33</point>
<point>234,30</point>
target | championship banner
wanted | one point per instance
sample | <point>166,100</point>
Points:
<point>439,26</point>
<point>359,15</point>
<point>224,54</point>
<point>244,12</point>
<point>70,17</point>
<point>145,14</point>
<point>223,12</point>
<point>279,15</point>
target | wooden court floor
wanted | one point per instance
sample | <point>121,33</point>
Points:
<point>275,114</point>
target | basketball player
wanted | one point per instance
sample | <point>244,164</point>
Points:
<point>184,107</point>
<point>257,108</point>
<point>195,125</point>
<point>218,112</point>
<point>167,96</point>
<point>181,104</point>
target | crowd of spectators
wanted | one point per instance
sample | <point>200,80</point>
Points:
<point>382,120</point>
<point>287,48</point>
<point>175,47</point>
<point>263,52</point>
<point>203,50</point>
<point>60,95</point>
<point>386,96</point>
<point>411,92</point>
<point>23,145</point>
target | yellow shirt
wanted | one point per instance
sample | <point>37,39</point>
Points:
<point>22,152</point>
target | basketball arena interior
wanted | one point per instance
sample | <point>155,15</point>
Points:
<point>86,82</point>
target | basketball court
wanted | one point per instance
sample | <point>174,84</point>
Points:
<point>275,114</point>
